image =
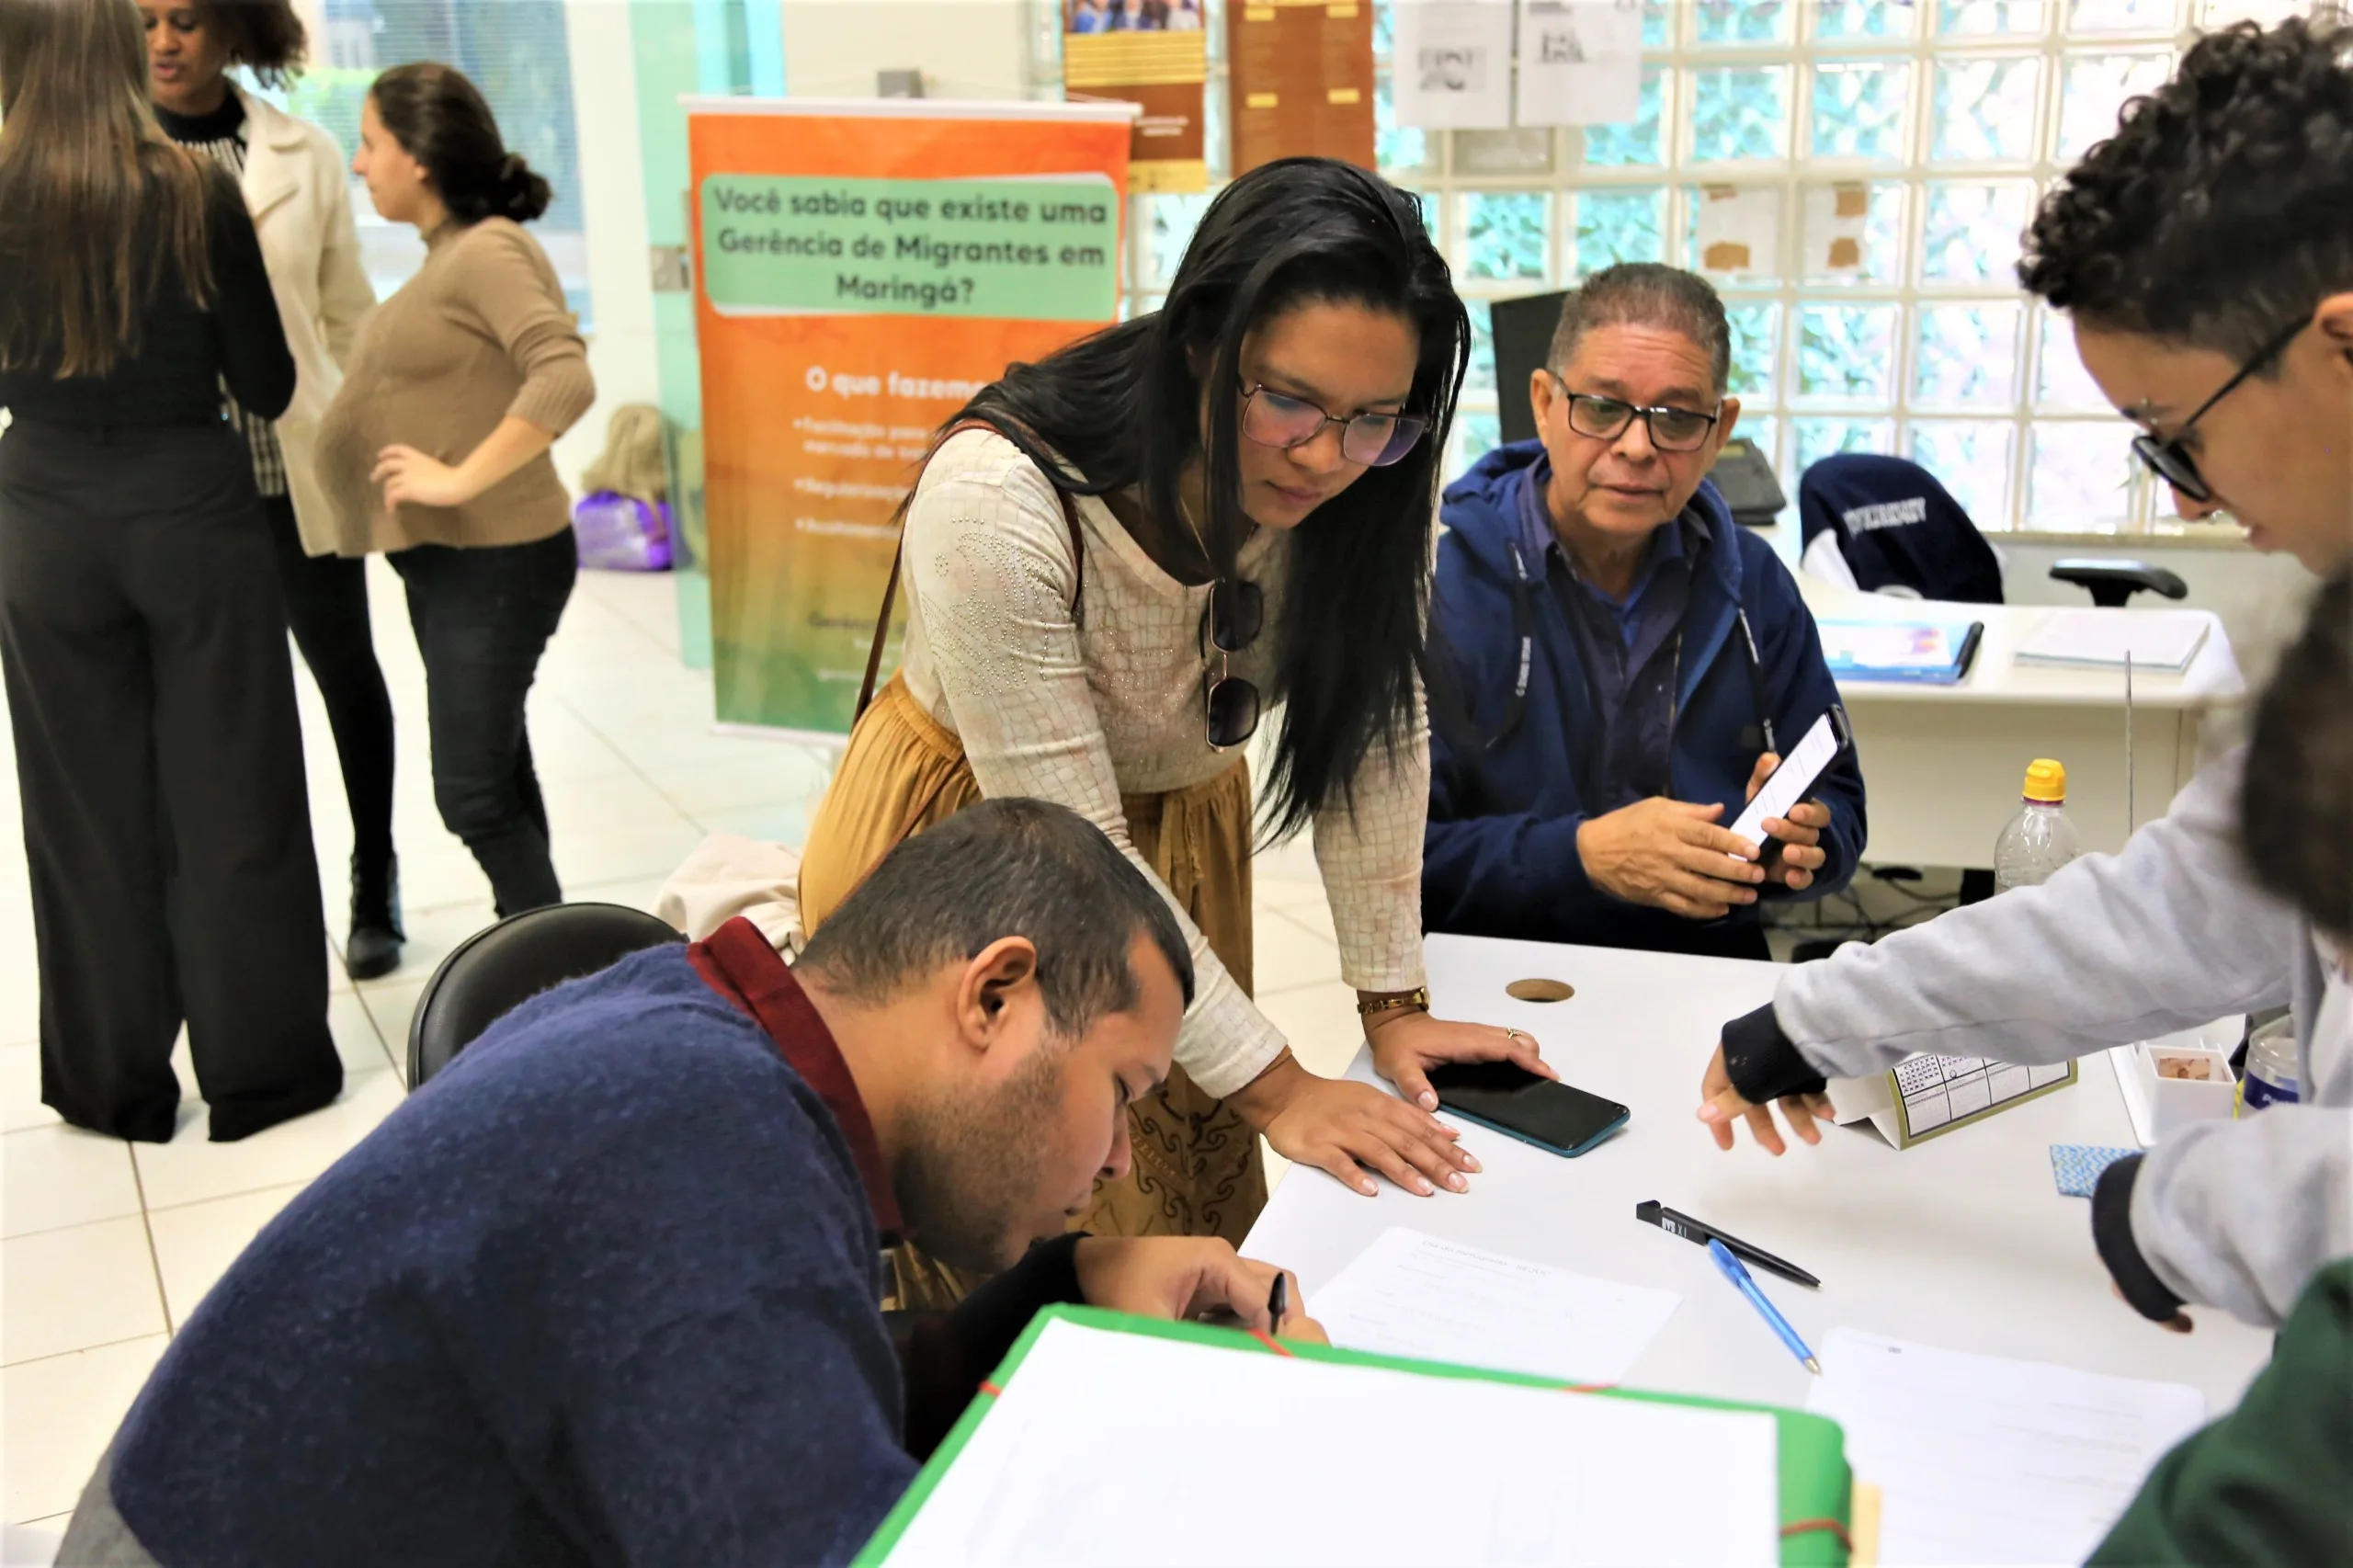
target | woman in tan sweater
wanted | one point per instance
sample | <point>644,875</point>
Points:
<point>436,448</point>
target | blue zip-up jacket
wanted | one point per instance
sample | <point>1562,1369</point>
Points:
<point>1500,856</point>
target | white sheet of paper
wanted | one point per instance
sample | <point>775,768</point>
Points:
<point>1740,229</point>
<point>1982,1458</point>
<point>1790,782</point>
<point>1410,1294</point>
<point>1580,61</point>
<point>2158,640</point>
<point>1262,1460</point>
<point>1453,64</point>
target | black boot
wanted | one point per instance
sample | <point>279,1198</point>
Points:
<point>374,947</point>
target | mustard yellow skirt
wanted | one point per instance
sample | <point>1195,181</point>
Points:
<point>1196,1170</point>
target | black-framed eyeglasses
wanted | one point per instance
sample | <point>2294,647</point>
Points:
<point>1280,420</point>
<point>2169,459</point>
<point>1606,418</point>
<point>1237,614</point>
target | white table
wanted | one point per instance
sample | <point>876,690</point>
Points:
<point>1962,1242</point>
<point>1942,765</point>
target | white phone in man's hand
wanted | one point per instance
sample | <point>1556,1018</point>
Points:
<point>1787,784</point>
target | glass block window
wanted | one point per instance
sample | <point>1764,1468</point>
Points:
<point>1618,225</point>
<point>1860,108</point>
<point>1902,144</point>
<point>516,51</point>
<point>1504,235</point>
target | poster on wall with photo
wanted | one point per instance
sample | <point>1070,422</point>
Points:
<point>1451,64</point>
<point>1154,54</point>
<point>1580,61</point>
<point>1302,80</point>
<point>864,266</point>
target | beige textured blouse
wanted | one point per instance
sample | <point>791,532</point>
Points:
<point>1081,713</point>
<point>480,332</point>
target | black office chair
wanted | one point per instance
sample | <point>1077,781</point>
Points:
<point>498,969</point>
<point>2110,583</point>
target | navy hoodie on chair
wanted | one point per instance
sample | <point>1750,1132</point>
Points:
<point>1897,526</point>
<point>1524,768</point>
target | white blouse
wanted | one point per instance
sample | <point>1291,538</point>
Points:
<point>1082,712</point>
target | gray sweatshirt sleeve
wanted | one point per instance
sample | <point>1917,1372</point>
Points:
<point>2164,935</point>
<point>2168,935</point>
<point>2241,1214</point>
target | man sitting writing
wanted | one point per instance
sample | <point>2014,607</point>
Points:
<point>1629,661</point>
<point>606,1290</point>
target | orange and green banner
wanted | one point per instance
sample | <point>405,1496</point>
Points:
<point>864,266</point>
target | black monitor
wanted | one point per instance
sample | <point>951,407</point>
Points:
<point>1522,335</point>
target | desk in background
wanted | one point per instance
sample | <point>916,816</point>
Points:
<point>1942,765</point>
<point>1962,1242</point>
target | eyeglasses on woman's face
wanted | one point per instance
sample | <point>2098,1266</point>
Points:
<point>1605,419</point>
<point>1281,421</point>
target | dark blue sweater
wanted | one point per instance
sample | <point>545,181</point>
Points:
<point>1500,856</point>
<point>604,1291</point>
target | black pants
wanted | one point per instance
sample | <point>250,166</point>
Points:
<point>326,609</point>
<point>160,760</point>
<point>482,617</point>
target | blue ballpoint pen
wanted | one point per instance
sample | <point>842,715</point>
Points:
<point>1735,1271</point>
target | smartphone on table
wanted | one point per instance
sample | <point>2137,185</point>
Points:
<point>1513,1101</point>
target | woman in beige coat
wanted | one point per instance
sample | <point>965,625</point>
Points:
<point>294,186</point>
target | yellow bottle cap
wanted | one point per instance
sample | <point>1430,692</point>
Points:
<point>2046,780</point>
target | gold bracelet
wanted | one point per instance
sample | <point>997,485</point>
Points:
<point>1417,998</point>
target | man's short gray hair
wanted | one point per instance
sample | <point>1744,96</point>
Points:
<point>1643,293</point>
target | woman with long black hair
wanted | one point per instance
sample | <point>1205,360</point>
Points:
<point>1120,558</point>
<point>159,754</point>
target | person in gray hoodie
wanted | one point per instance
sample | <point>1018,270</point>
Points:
<point>2205,254</point>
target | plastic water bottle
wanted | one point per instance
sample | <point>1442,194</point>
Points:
<point>2270,1066</point>
<point>2040,839</point>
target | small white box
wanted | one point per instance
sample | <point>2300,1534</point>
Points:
<point>2159,1088</point>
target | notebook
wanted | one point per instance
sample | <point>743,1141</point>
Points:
<point>1929,1095</point>
<point>1925,653</point>
<point>2162,641</point>
<point>1107,1439</point>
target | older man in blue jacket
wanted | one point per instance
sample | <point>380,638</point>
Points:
<point>1625,661</point>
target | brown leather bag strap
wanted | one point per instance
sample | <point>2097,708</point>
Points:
<point>898,553</point>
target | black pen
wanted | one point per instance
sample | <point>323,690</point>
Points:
<point>1653,1212</point>
<point>1278,1302</point>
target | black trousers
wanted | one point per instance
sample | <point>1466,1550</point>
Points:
<point>326,609</point>
<point>159,761</point>
<point>482,617</point>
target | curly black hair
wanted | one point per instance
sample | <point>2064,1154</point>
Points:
<point>2299,791</point>
<point>267,37</point>
<point>2221,209</point>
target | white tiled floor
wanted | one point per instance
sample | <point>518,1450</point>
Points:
<point>105,1249</point>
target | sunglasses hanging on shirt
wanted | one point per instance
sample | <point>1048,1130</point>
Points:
<point>1237,613</point>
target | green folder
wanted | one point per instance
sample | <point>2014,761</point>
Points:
<point>1815,1481</point>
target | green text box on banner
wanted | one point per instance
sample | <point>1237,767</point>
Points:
<point>1040,249</point>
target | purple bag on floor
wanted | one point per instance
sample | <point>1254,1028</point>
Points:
<point>619,533</point>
